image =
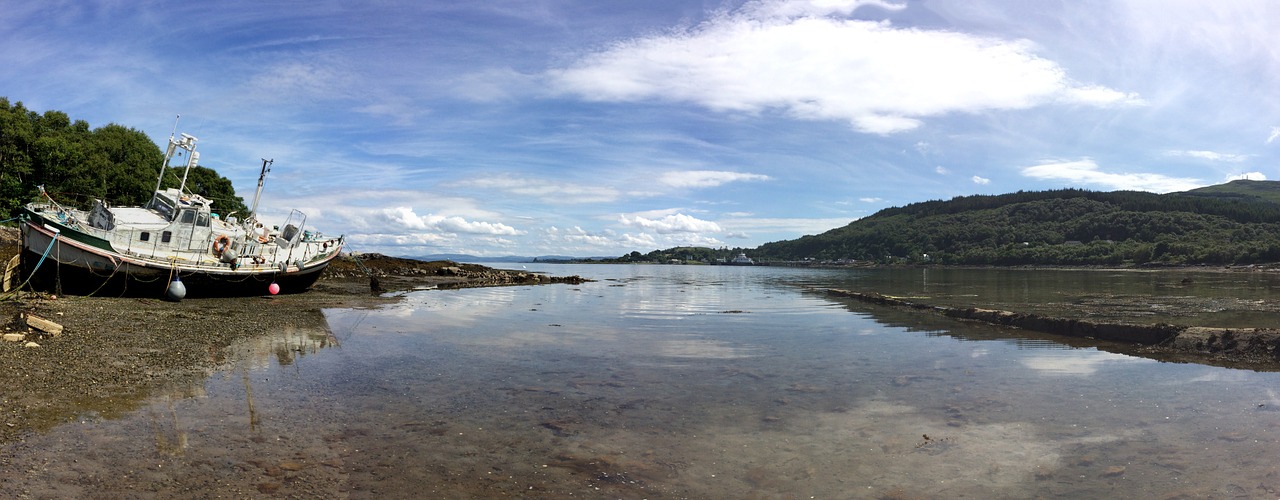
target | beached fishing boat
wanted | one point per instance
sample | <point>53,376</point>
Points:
<point>142,251</point>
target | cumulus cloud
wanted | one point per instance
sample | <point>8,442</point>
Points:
<point>813,62</point>
<point>576,236</point>
<point>1209,155</point>
<point>642,240</point>
<point>706,178</point>
<point>981,181</point>
<point>675,223</point>
<point>1087,172</point>
<point>406,218</point>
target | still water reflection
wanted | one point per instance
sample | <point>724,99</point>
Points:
<point>688,382</point>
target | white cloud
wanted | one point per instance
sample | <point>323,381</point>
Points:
<point>641,241</point>
<point>405,217</point>
<point>302,81</point>
<point>871,200</point>
<point>1275,132</point>
<point>1252,176</point>
<point>817,8</point>
<point>1099,96</point>
<point>706,178</point>
<point>1210,155</point>
<point>551,192</point>
<point>798,227</point>
<point>366,240</point>
<point>576,236</point>
<point>941,170</point>
<point>808,60</point>
<point>675,223</point>
<point>1086,172</point>
<point>981,181</point>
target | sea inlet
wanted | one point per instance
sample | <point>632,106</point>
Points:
<point>697,382</point>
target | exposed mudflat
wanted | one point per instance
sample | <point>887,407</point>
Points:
<point>114,353</point>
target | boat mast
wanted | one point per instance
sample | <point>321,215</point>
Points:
<point>168,154</point>
<point>188,143</point>
<point>262,177</point>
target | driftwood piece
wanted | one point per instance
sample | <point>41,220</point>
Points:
<point>11,274</point>
<point>42,324</point>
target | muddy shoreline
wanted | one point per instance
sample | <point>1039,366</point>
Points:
<point>113,354</point>
<point>1246,348</point>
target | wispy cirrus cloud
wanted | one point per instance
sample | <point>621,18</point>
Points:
<point>706,178</point>
<point>548,191</point>
<point>1209,155</point>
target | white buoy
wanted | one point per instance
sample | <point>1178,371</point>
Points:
<point>176,290</point>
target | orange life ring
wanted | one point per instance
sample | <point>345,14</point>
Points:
<point>220,245</point>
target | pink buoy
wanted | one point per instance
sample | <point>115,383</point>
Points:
<point>274,288</point>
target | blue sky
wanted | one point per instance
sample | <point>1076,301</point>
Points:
<point>587,127</point>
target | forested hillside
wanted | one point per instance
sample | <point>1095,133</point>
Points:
<point>1229,224</point>
<point>76,163</point>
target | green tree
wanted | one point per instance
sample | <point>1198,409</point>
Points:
<point>77,164</point>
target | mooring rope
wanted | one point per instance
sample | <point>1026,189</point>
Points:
<point>37,268</point>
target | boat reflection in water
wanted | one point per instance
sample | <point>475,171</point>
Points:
<point>694,382</point>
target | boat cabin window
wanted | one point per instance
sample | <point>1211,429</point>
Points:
<point>188,216</point>
<point>202,219</point>
<point>166,236</point>
<point>162,205</point>
<point>145,236</point>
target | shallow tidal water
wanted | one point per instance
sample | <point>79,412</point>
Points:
<point>688,382</point>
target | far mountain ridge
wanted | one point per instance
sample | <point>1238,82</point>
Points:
<point>1233,223</point>
<point>1241,189</point>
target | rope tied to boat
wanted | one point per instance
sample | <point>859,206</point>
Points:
<point>52,241</point>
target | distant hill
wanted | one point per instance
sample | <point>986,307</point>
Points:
<point>1245,190</point>
<point>1234,223</point>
